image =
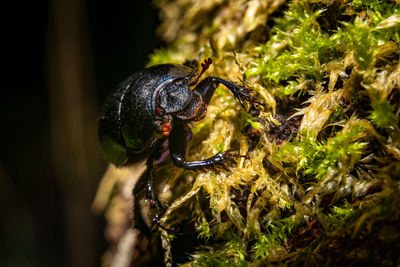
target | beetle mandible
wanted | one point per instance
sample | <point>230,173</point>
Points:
<point>158,103</point>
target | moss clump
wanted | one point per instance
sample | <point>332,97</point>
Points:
<point>317,159</point>
<point>382,115</point>
<point>334,65</point>
<point>295,52</point>
<point>322,184</point>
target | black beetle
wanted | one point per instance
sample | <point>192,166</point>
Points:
<point>157,103</point>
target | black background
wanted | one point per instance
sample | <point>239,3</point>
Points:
<point>120,35</point>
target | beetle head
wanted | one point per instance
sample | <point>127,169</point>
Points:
<point>195,110</point>
<point>174,96</point>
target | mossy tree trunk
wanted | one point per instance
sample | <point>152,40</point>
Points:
<point>322,185</point>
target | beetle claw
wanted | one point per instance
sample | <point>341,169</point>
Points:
<point>221,160</point>
<point>223,166</point>
<point>170,230</point>
<point>243,93</point>
<point>231,160</point>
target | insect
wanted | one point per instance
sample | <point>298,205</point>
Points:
<point>155,104</point>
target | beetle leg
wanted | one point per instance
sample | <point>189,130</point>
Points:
<point>151,192</point>
<point>207,87</point>
<point>178,147</point>
<point>154,204</point>
<point>156,220</point>
<point>152,196</point>
<point>138,195</point>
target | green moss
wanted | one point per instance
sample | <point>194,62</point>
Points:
<point>232,253</point>
<point>159,56</point>
<point>276,233</point>
<point>250,120</point>
<point>318,158</point>
<point>382,115</point>
<point>204,231</point>
<point>379,9</point>
<point>296,50</point>
<point>361,43</point>
<point>339,214</point>
<point>338,115</point>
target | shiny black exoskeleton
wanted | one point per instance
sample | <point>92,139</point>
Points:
<point>158,103</point>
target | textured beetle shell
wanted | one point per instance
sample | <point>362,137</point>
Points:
<point>127,121</point>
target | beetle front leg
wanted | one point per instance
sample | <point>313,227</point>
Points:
<point>178,141</point>
<point>208,85</point>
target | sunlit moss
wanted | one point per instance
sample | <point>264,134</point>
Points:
<point>361,43</point>
<point>159,56</point>
<point>382,115</point>
<point>277,232</point>
<point>295,52</point>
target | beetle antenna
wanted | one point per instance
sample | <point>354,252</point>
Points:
<point>205,65</point>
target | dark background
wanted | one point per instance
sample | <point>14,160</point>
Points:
<point>62,58</point>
